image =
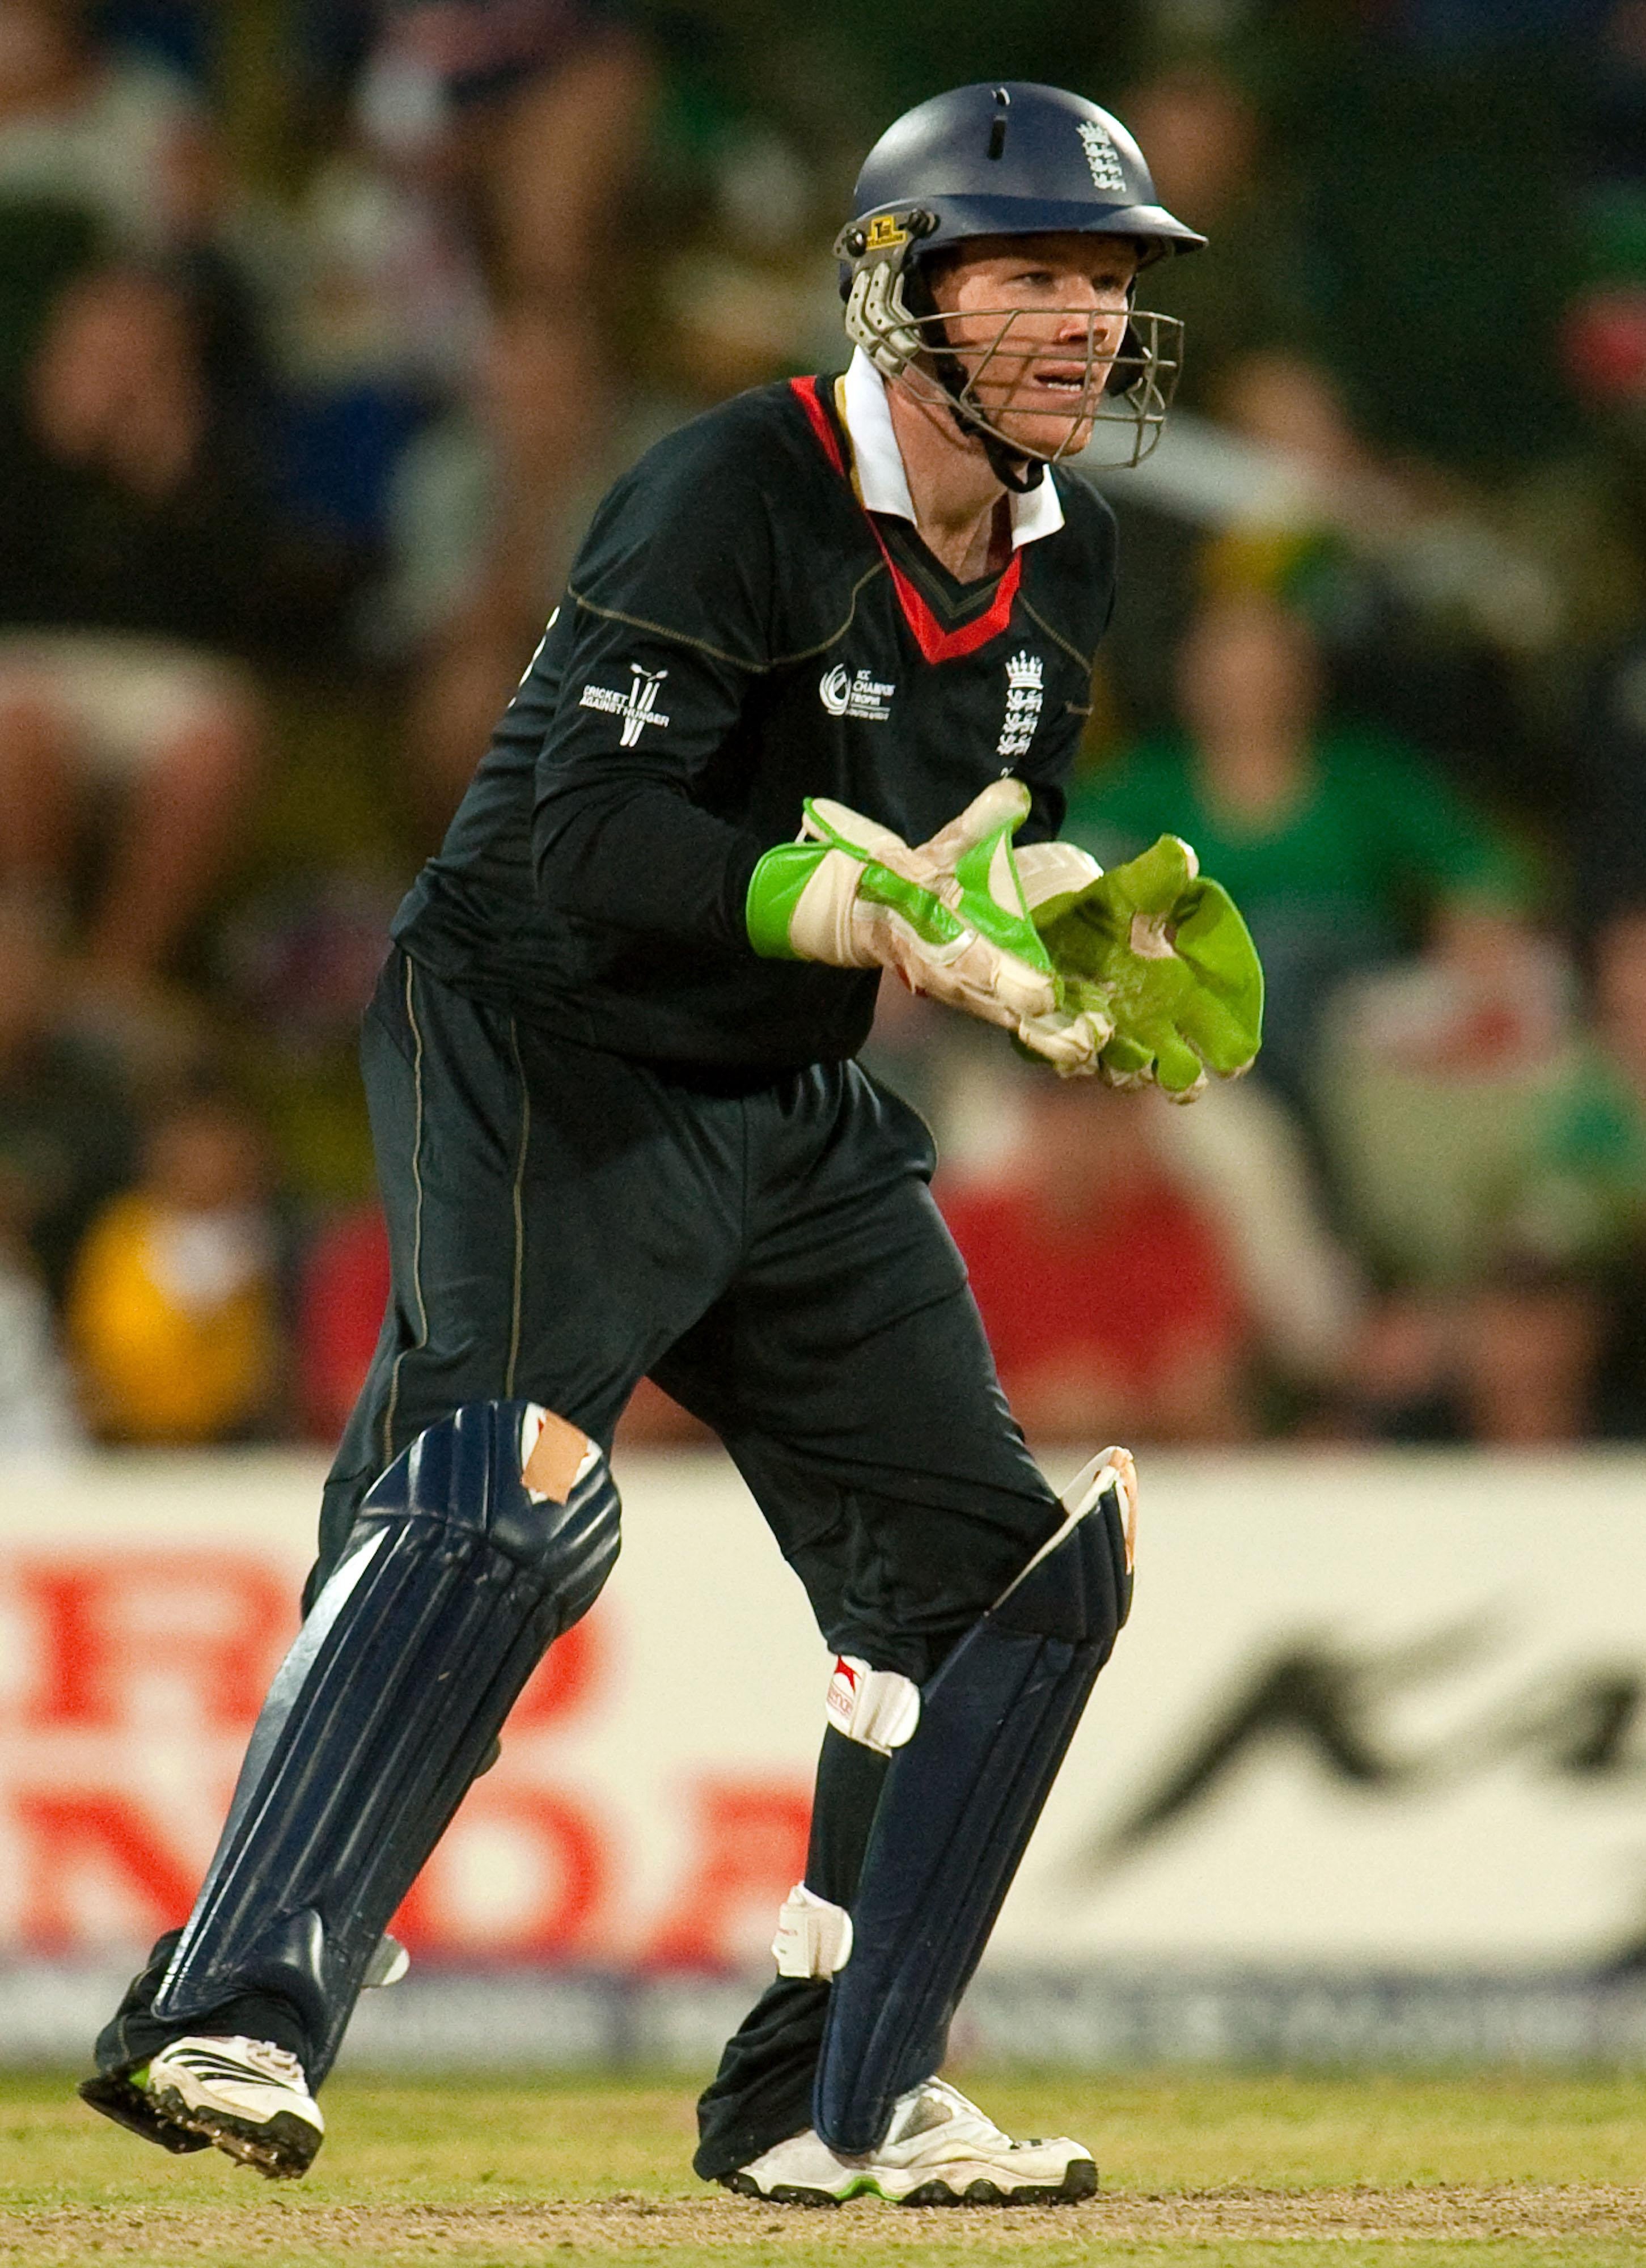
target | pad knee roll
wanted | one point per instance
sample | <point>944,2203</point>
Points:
<point>490,1536</point>
<point>1082,1597</point>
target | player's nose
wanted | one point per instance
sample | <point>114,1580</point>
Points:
<point>1101,319</point>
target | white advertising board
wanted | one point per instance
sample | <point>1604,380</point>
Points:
<point>1375,1713</point>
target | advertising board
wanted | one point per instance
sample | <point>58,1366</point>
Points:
<point>1375,1718</point>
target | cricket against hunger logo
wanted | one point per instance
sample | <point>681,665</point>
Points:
<point>637,707</point>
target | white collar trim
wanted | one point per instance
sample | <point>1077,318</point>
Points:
<point>882,481</point>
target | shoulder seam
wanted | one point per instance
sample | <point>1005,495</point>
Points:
<point>717,653</point>
<point>661,630</point>
<point>1087,661</point>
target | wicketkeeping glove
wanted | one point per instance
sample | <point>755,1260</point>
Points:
<point>1160,953</point>
<point>948,916</point>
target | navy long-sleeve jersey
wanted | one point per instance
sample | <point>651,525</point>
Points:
<point>739,633</point>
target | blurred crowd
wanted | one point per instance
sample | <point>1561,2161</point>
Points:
<point>323,324</point>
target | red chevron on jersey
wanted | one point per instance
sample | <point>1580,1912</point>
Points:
<point>935,643</point>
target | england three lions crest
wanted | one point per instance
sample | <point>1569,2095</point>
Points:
<point>1025,690</point>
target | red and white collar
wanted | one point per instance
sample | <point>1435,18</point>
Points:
<point>882,481</point>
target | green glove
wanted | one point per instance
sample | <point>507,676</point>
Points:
<point>949,915</point>
<point>1160,953</point>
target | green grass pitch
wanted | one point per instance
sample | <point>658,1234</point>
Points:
<point>1455,2172</point>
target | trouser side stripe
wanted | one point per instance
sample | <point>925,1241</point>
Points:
<point>520,1212</point>
<point>416,1166</point>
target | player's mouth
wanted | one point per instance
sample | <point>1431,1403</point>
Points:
<point>1068,381</point>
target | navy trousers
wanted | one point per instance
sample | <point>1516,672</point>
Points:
<point>564,1222</point>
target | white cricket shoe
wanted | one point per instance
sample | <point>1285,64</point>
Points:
<point>248,2096</point>
<point>940,2149</point>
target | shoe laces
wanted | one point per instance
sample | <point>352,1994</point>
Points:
<point>936,2103</point>
<point>278,2063</point>
<point>962,2109</point>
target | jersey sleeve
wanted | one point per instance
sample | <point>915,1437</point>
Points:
<point>664,632</point>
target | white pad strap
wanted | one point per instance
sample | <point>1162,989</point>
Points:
<point>879,1707</point>
<point>813,1936</point>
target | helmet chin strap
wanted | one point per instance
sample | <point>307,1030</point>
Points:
<point>1013,471</point>
<point>1018,474</point>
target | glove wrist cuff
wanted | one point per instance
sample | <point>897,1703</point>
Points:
<point>775,888</point>
<point>802,906</point>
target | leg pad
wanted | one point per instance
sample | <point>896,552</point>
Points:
<point>961,1801</point>
<point>457,1576</point>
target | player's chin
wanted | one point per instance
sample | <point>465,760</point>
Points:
<point>1054,429</point>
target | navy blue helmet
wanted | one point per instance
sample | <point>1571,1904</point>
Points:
<point>1013,159</point>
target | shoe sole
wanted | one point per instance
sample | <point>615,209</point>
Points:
<point>115,2097</point>
<point>281,2149</point>
<point>1079,2182</point>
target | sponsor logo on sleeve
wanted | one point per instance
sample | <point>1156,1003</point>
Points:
<point>863,695</point>
<point>1025,690</point>
<point>637,707</point>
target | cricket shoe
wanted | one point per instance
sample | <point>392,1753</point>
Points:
<point>939,2149</point>
<point>247,2097</point>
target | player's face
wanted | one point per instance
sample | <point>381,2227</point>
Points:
<point>1036,322</point>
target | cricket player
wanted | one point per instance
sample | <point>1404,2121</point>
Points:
<point>802,716</point>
